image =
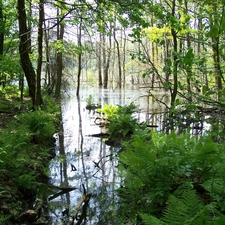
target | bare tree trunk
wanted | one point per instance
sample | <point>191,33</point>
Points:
<point>100,61</point>
<point>59,63</point>
<point>215,48</point>
<point>124,58</point>
<point>189,67</point>
<point>38,98</point>
<point>2,25</point>
<point>47,55</point>
<point>24,49</point>
<point>119,59</point>
<point>79,57</point>
<point>29,25</point>
<point>107,61</point>
<point>175,60</point>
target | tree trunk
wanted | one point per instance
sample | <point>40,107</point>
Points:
<point>215,49</point>
<point>38,98</point>
<point>24,49</point>
<point>59,63</point>
<point>189,69</point>
<point>106,62</point>
<point>47,55</point>
<point>119,59</point>
<point>175,61</point>
<point>2,25</point>
<point>79,57</point>
<point>124,59</point>
<point>100,61</point>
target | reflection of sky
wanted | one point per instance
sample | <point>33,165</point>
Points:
<point>82,151</point>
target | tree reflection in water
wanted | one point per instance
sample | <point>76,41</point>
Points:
<point>86,162</point>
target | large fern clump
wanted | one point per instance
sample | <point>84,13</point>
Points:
<point>156,170</point>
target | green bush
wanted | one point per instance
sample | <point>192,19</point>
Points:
<point>121,119</point>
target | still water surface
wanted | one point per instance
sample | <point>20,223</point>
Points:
<point>85,162</point>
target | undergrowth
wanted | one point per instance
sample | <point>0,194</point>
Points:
<point>26,148</point>
<point>172,179</point>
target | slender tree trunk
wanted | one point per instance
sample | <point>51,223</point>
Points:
<point>124,58</point>
<point>38,98</point>
<point>47,55</point>
<point>189,69</point>
<point>2,26</point>
<point>215,49</point>
<point>79,57</point>
<point>119,59</point>
<point>175,60</point>
<point>24,49</point>
<point>100,61</point>
<point>59,61</point>
<point>107,61</point>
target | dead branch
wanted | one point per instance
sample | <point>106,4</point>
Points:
<point>85,198</point>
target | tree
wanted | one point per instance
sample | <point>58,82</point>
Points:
<point>24,49</point>
<point>79,44</point>
<point>2,25</point>
<point>38,98</point>
<point>59,55</point>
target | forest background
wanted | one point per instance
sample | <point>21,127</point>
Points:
<point>170,46</point>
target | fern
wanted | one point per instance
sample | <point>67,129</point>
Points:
<point>150,220</point>
<point>186,208</point>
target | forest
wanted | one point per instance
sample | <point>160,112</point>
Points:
<point>174,49</point>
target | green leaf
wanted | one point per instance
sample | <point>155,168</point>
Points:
<point>204,90</point>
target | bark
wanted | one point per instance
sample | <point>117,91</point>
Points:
<point>175,60</point>
<point>106,62</point>
<point>100,62</point>
<point>124,59</point>
<point>47,55</point>
<point>38,98</point>
<point>2,26</point>
<point>189,69</point>
<point>119,59</point>
<point>216,54</point>
<point>24,49</point>
<point>79,57</point>
<point>59,61</point>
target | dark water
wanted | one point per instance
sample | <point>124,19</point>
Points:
<point>87,163</point>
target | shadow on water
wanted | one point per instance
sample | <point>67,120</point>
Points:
<point>85,164</point>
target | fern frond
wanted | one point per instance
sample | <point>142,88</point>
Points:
<point>183,208</point>
<point>150,220</point>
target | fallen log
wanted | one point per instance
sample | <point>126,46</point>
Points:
<point>64,191</point>
<point>85,198</point>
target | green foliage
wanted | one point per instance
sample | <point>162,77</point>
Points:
<point>109,111</point>
<point>25,153</point>
<point>164,173</point>
<point>89,101</point>
<point>121,119</point>
<point>40,124</point>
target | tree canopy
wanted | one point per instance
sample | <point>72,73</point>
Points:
<point>172,45</point>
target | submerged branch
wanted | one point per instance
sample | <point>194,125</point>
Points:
<point>85,198</point>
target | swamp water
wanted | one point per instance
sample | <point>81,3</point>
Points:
<point>86,163</point>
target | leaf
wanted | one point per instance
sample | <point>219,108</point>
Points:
<point>150,220</point>
<point>213,32</point>
<point>204,90</point>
